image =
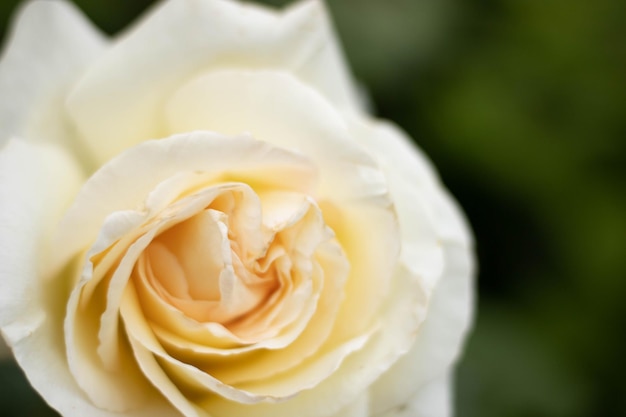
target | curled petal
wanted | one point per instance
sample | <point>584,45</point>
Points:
<point>33,308</point>
<point>358,371</point>
<point>125,182</point>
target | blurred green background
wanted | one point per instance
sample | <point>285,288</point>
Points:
<point>520,104</point>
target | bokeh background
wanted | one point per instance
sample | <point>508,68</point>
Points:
<point>521,105</point>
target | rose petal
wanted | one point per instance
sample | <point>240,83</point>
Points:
<point>112,380</point>
<point>277,108</point>
<point>50,44</point>
<point>401,316</point>
<point>265,364</point>
<point>359,408</point>
<point>43,359</point>
<point>155,373</point>
<point>36,183</point>
<point>182,374</point>
<point>432,400</point>
<point>100,361</point>
<point>118,102</point>
<point>427,214</point>
<point>440,337</point>
<point>436,246</point>
<point>127,181</point>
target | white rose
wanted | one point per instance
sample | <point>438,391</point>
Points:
<point>199,219</point>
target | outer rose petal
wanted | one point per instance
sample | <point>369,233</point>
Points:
<point>439,339</point>
<point>436,246</point>
<point>432,400</point>
<point>49,46</point>
<point>118,102</point>
<point>359,408</point>
<point>36,184</point>
<point>427,214</point>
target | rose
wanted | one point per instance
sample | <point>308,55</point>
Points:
<point>276,251</point>
<point>209,271</point>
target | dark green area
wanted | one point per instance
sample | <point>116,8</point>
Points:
<point>521,105</point>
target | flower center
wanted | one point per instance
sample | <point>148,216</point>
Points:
<point>245,262</point>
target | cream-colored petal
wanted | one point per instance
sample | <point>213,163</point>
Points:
<point>277,108</point>
<point>368,235</point>
<point>358,371</point>
<point>440,337</point>
<point>434,399</point>
<point>427,214</point>
<point>359,408</point>
<point>185,377</point>
<point>437,247</point>
<point>49,46</point>
<point>119,389</point>
<point>37,183</point>
<point>110,275</point>
<point>310,373</point>
<point>153,371</point>
<point>100,361</point>
<point>42,357</point>
<point>118,103</point>
<point>126,182</point>
<point>174,325</point>
<point>265,364</point>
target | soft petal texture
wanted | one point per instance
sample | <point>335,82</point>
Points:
<point>277,108</point>
<point>436,246</point>
<point>434,399</point>
<point>428,215</point>
<point>36,184</point>
<point>219,158</point>
<point>440,337</point>
<point>342,388</point>
<point>106,385</point>
<point>359,408</point>
<point>128,180</point>
<point>50,45</point>
<point>118,102</point>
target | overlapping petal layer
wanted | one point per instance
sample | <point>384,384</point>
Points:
<point>118,101</point>
<point>244,282</point>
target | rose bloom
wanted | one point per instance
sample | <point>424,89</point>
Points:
<point>199,218</point>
